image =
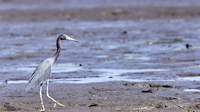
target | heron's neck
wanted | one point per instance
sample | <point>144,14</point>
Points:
<point>58,49</point>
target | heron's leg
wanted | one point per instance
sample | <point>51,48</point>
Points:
<point>43,109</point>
<point>56,102</point>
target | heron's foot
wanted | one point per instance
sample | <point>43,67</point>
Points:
<point>54,105</point>
<point>42,110</point>
<point>58,104</point>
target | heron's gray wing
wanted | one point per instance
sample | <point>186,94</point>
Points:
<point>40,75</point>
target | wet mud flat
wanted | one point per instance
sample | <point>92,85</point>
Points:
<point>128,59</point>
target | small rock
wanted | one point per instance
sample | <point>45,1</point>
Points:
<point>125,32</point>
<point>126,84</point>
<point>147,91</point>
<point>188,46</point>
<point>161,105</point>
<point>94,105</point>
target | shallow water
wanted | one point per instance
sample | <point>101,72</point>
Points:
<point>104,75</point>
<point>196,78</point>
<point>105,53</point>
<point>192,90</point>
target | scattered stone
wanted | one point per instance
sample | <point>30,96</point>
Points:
<point>161,106</point>
<point>126,84</point>
<point>125,32</point>
<point>148,91</point>
<point>188,46</point>
<point>94,105</point>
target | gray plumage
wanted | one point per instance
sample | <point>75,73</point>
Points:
<point>43,71</point>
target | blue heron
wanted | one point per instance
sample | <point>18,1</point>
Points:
<point>43,72</point>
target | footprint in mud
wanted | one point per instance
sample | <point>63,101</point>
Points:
<point>9,107</point>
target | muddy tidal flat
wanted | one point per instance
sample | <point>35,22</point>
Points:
<point>133,55</point>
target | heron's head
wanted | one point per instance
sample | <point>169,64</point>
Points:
<point>66,37</point>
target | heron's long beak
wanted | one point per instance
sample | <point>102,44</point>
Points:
<point>69,38</point>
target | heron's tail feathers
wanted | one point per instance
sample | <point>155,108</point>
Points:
<point>29,86</point>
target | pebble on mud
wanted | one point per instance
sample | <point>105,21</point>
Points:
<point>188,46</point>
<point>94,105</point>
<point>148,91</point>
<point>160,105</point>
<point>125,32</point>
